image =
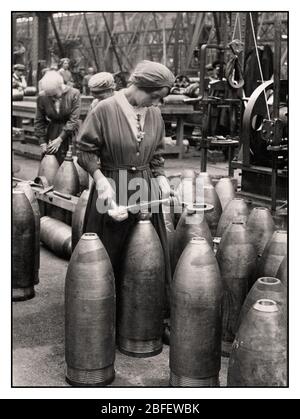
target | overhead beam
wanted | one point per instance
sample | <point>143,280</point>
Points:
<point>112,41</point>
<point>91,42</point>
<point>57,37</point>
<point>39,48</point>
<point>176,45</point>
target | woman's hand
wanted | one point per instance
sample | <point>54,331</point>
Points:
<point>118,213</point>
<point>43,148</point>
<point>105,190</point>
<point>54,145</point>
<point>164,186</point>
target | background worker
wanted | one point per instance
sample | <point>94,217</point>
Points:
<point>101,86</point>
<point>18,77</point>
<point>65,72</point>
<point>57,115</point>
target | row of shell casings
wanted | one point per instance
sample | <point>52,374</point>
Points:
<point>196,312</point>
<point>92,328</point>
<point>29,227</point>
<point>250,247</point>
<point>68,178</point>
<point>207,307</point>
<point>188,218</point>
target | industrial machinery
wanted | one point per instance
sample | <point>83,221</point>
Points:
<point>263,159</point>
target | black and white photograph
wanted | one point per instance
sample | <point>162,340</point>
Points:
<point>149,194</point>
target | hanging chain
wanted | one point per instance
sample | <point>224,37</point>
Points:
<point>235,25</point>
<point>240,27</point>
<point>259,65</point>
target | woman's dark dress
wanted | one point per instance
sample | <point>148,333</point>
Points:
<point>106,141</point>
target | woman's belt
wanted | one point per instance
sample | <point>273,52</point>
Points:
<point>128,167</point>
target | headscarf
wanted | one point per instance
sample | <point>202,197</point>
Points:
<point>149,74</point>
<point>102,81</point>
<point>51,81</point>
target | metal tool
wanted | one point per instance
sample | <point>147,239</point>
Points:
<point>46,190</point>
<point>63,195</point>
<point>31,183</point>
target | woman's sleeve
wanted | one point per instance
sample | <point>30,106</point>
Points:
<point>89,142</point>
<point>40,122</point>
<point>72,125</point>
<point>157,162</point>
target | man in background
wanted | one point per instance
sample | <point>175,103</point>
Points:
<point>18,77</point>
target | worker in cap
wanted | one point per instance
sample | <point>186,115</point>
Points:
<point>101,86</point>
<point>57,115</point>
<point>18,78</point>
<point>121,145</point>
<point>65,72</point>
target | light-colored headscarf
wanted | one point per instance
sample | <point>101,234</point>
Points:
<point>51,81</point>
<point>152,75</point>
<point>102,81</point>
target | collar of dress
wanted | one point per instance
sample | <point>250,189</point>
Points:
<point>126,106</point>
<point>131,112</point>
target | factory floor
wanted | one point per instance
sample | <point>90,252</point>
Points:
<point>38,324</point>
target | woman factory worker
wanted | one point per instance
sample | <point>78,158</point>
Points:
<point>57,115</point>
<point>101,86</point>
<point>123,139</point>
<point>65,72</point>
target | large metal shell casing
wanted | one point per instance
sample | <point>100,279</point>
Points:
<point>225,191</point>
<point>237,208</point>
<point>196,318</point>
<point>30,91</point>
<point>57,236</point>
<point>212,218</point>
<point>258,357</point>
<point>261,227</point>
<point>282,272</point>
<point>17,95</point>
<point>272,256</point>
<point>48,168</point>
<point>141,294</point>
<point>67,179</point>
<point>23,247</point>
<point>264,288</point>
<point>90,306</point>
<point>236,256</point>
<point>192,223</point>
<point>24,186</point>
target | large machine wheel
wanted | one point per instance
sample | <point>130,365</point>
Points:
<point>255,113</point>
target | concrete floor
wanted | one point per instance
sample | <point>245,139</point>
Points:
<point>38,324</point>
